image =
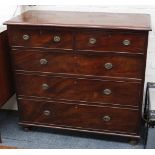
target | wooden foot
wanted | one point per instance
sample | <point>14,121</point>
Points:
<point>26,128</point>
<point>134,142</point>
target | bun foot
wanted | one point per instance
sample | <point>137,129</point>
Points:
<point>134,142</point>
<point>26,129</point>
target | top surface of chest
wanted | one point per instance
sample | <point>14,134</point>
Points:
<point>128,21</point>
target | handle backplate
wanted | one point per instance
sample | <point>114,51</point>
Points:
<point>107,92</point>
<point>92,41</point>
<point>56,39</point>
<point>106,118</point>
<point>126,42</point>
<point>45,86</point>
<point>26,37</point>
<point>46,112</point>
<point>108,65</point>
<point>43,61</point>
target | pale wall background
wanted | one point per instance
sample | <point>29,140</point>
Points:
<point>6,12</point>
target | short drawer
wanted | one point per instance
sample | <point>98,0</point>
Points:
<point>113,65</point>
<point>41,38</point>
<point>109,119</point>
<point>83,90</point>
<point>111,41</point>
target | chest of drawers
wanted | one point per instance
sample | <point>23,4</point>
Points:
<point>80,71</point>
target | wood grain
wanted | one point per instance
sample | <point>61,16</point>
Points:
<point>79,116</point>
<point>82,90</point>
<point>83,64</point>
<point>6,74</point>
<point>75,73</point>
<point>41,37</point>
<point>125,21</point>
<point>111,41</point>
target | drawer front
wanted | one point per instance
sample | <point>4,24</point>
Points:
<point>35,38</point>
<point>83,90</point>
<point>111,41</point>
<point>79,116</point>
<point>113,65</point>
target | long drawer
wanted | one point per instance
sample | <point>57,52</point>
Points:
<point>113,65</point>
<point>83,90</point>
<point>110,119</point>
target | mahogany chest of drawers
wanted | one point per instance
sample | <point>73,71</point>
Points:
<point>80,71</point>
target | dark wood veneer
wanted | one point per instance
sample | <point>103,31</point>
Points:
<point>80,63</point>
<point>41,38</point>
<point>99,20</point>
<point>88,117</point>
<point>111,41</point>
<point>105,40</point>
<point>67,89</point>
<point>6,74</point>
<point>84,90</point>
<point>6,77</point>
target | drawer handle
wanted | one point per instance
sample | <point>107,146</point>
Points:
<point>92,41</point>
<point>126,42</point>
<point>26,37</point>
<point>46,112</point>
<point>45,86</point>
<point>106,118</point>
<point>108,65</point>
<point>106,91</point>
<point>56,39</point>
<point>43,61</point>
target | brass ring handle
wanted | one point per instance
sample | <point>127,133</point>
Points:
<point>46,112</point>
<point>107,92</point>
<point>92,41</point>
<point>56,39</point>
<point>106,118</point>
<point>26,37</point>
<point>126,42</point>
<point>45,86</point>
<point>108,65</point>
<point>43,61</point>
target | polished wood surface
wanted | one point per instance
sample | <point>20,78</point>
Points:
<point>106,40</point>
<point>111,41</point>
<point>83,19</point>
<point>85,74</point>
<point>80,63</point>
<point>82,90</point>
<point>79,116</point>
<point>6,76</point>
<point>41,38</point>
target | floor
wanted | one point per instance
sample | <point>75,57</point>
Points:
<point>7,147</point>
<point>14,135</point>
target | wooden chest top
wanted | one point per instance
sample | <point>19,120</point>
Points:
<point>83,19</point>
